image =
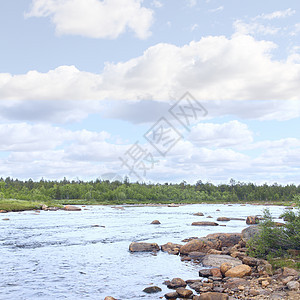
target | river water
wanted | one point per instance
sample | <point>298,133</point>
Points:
<point>60,255</point>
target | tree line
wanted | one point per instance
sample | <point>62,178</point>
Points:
<point>104,190</point>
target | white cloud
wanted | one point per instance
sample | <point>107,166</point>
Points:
<point>94,18</point>
<point>192,3</point>
<point>220,8</point>
<point>157,4</point>
<point>194,27</point>
<point>230,134</point>
<point>212,68</point>
<point>254,28</point>
<point>277,14</point>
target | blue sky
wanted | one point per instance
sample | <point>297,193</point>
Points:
<point>81,81</point>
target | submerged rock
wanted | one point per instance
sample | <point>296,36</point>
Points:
<point>72,208</point>
<point>205,224</point>
<point>223,219</point>
<point>152,289</point>
<point>200,214</point>
<point>156,222</point>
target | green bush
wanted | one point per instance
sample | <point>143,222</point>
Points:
<point>274,241</point>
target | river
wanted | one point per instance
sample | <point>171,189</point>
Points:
<point>61,255</point>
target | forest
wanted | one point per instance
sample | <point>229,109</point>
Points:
<point>104,191</point>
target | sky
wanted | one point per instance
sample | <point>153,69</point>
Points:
<point>159,91</point>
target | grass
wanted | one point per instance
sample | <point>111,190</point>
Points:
<point>290,262</point>
<point>20,205</point>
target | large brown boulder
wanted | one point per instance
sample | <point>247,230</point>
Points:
<point>205,223</point>
<point>72,208</point>
<point>225,239</point>
<point>197,245</point>
<point>143,247</point>
<point>239,271</point>
<point>176,283</point>
<point>211,296</point>
<point>184,293</point>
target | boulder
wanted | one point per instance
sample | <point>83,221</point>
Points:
<point>249,232</point>
<point>143,247</point>
<point>239,271</point>
<point>212,296</point>
<point>152,289</point>
<point>215,260</point>
<point>233,283</point>
<point>184,293</point>
<point>250,261</point>
<point>223,219</point>
<point>2,211</point>
<point>109,298</point>
<point>176,283</point>
<point>225,267</point>
<point>293,285</point>
<point>198,214</point>
<point>204,273</point>
<point>170,247</point>
<point>289,272</point>
<point>215,272</point>
<point>198,245</point>
<point>72,208</point>
<point>172,295</point>
<point>156,222</point>
<point>205,224</point>
<point>225,239</point>
<point>251,220</point>
<point>5,219</point>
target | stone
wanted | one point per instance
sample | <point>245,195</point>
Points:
<point>216,261</point>
<point>293,285</point>
<point>225,267</point>
<point>251,220</point>
<point>156,222</point>
<point>249,232</point>
<point>172,295</point>
<point>204,273</point>
<point>109,298</point>
<point>265,283</point>
<point>204,224</point>
<point>239,271</point>
<point>2,211</point>
<point>217,210</point>
<point>286,280</point>
<point>200,245</point>
<point>253,292</point>
<point>233,283</point>
<point>213,296</point>
<point>209,217</point>
<point>223,219</point>
<point>215,272</point>
<point>224,239</point>
<point>6,219</point>
<point>72,208</point>
<point>184,293</point>
<point>200,214</point>
<point>152,289</point>
<point>250,261</point>
<point>289,272</point>
<point>214,251</point>
<point>171,248</point>
<point>176,283</point>
<point>143,247</point>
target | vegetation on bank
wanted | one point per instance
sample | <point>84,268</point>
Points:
<point>280,245</point>
<point>106,192</point>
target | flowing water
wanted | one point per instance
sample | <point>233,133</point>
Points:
<point>61,255</point>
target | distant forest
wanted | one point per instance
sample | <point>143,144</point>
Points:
<point>105,191</point>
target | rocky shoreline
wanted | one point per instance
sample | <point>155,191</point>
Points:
<point>227,272</point>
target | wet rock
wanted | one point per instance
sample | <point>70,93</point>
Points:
<point>6,219</point>
<point>198,214</point>
<point>109,298</point>
<point>239,271</point>
<point>213,260</point>
<point>176,283</point>
<point>172,295</point>
<point>72,208</point>
<point>223,219</point>
<point>209,217</point>
<point>156,222</point>
<point>152,289</point>
<point>293,285</point>
<point>217,210</point>
<point>250,232</point>
<point>202,287</point>
<point>251,220</point>
<point>2,211</point>
<point>184,293</point>
<point>171,248</point>
<point>204,224</point>
<point>212,296</point>
<point>143,247</point>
